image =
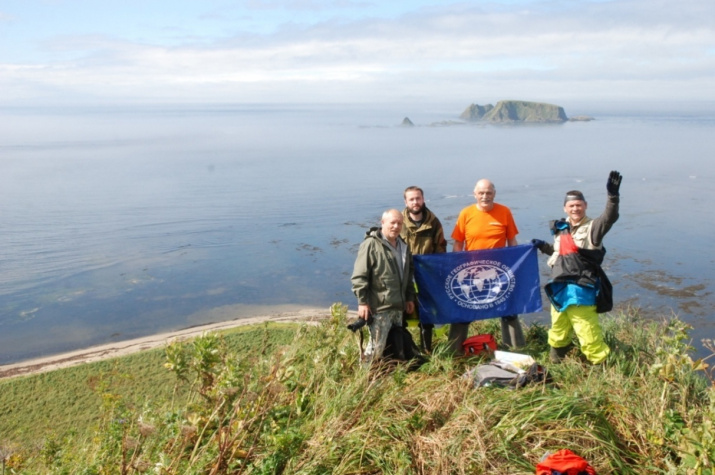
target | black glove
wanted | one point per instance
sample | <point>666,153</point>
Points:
<point>614,183</point>
<point>559,225</point>
<point>539,244</point>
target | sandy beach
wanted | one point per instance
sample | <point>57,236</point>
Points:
<point>121,348</point>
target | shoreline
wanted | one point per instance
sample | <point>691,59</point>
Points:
<point>122,348</point>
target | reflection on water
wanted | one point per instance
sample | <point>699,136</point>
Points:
<point>123,223</point>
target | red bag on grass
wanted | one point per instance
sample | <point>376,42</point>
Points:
<point>479,344</point>
<point>564,462</point>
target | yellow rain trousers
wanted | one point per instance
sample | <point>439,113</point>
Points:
<point>582,320</point>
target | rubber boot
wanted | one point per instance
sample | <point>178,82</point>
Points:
<point>458,332</point>
<point>426,338</point>
<point>511,333</point>
<point>556,355</point>
<point>398,345</point>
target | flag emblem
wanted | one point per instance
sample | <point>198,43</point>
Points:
<point>480,285</point>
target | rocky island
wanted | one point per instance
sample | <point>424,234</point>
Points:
<point>509,112</point>
<point>515,112</point>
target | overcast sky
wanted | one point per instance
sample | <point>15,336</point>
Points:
<point>343,51</point>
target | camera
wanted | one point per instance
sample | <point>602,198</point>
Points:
<point>359,323</point>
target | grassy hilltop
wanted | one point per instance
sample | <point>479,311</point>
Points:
<point>292,399</point>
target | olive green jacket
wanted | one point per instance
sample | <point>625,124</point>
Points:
<point>428,238</point>
<point>376,280</point>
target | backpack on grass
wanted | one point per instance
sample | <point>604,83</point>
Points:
<point>400,337</point>
<point>497,373</point>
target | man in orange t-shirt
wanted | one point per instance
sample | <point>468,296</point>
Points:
<point>485,225</point>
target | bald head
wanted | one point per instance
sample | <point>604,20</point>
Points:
<point>391,224</point>
<point>484,193</point>
<point>484,184</point>
<point>391,213</point>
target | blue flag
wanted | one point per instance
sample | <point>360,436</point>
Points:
<point>460,287</point>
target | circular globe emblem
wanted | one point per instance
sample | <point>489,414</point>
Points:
<point>480,284</point>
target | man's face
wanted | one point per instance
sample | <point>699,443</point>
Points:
<point>575,210</point>
<point>414,201</point>
<point>484,195</point>
<point>392,225</point>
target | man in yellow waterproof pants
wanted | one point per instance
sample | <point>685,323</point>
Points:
<point>579,289</point>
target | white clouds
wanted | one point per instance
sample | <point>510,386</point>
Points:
<point>606,50</point>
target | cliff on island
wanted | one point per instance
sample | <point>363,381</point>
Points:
<point>515,112</point>
<point>508,113</point>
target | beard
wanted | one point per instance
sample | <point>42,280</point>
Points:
<point>418,210</point>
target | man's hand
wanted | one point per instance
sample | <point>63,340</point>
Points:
<point>614,183</point>
<point>364,311</point>
<point>539,244</point>
<point>409,307</point>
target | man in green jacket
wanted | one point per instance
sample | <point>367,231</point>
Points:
<point>382,281</point>
<point>424,235</point>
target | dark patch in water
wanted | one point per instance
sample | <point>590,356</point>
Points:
<point>309,248</point>
<point>335,242</point>
<point>365,226</point>
<point>692,307</point>
<point>667,285</point>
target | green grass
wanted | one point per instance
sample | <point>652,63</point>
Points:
<point>295,400</point>
<point>69,401</point>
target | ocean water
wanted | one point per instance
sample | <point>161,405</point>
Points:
<point>128,221</point>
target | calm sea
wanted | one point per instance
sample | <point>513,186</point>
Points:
<point>123,222</point>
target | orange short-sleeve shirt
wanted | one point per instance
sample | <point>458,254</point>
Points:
<point>484,229</point>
